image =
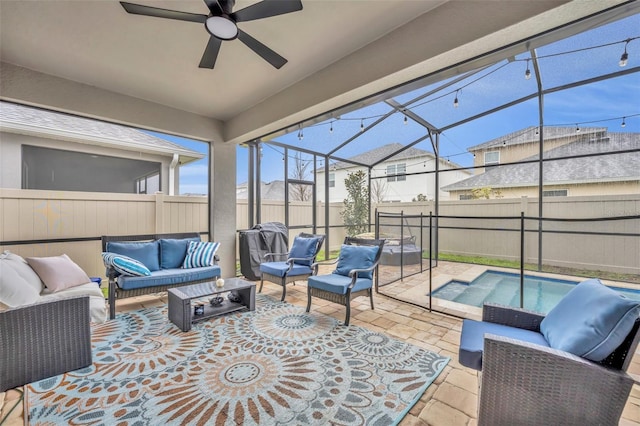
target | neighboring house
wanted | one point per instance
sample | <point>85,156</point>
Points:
<point>41,149</point>
<point>273,190</point>
<point>589,174</point>
<point>396,187</point>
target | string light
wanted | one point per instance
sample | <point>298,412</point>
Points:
<point>331,128</point>
<point>405,120</point>
<point>577,128</point>
<point>300,134</point>
<point>362,124</point>
<point>537,130</point>
<point>455,101</point>
<point>625,56</point>
<point>623,124</point>
<point>527,73</point>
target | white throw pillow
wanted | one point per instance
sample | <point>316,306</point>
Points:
<point>14,289</point>
<point>58,272</point>
<point>18,264</point>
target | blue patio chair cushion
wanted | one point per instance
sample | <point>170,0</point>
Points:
<point>125,265</point>
<point>173,252</point>
<point>304,247</point>
<point>356,257</point>
<point>148,253</point>
<point>169,277</point>
<point>472,340</point>
<point>279,269</point>
<point>338,284</point>
<point>590,321</point>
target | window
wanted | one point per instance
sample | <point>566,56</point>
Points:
<point>466,197</point>
<point>396,169</point>
<point>555,193</point>
<point>492,157</point>
<point>332,180</point>
<point>149,184</point>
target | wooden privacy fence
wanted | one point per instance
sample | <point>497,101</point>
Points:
<point>46,223</point>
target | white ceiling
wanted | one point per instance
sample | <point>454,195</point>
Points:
<point>98,43</point>
<point>92,58</point>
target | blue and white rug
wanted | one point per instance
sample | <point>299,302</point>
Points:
<point>275,366</point>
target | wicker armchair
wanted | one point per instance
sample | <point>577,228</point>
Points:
<point>292,269</point>
<point>342,289</point>
<point>44,340</point>
<point>528,384</point>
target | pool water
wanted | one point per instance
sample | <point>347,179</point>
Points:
<point>540,294</point>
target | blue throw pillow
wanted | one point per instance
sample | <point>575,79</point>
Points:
<point>173,252</point>
<point>304,247</point>
<point>147,253</point>
<point>125,265</point>
<point>590,321</point>
<point>200,254</point>
<point>356,257</point>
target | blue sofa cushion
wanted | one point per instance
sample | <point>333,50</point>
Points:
<point>125,265</point>
<point>590,321</point>
<point>472,340</point>
<point>280,268</point>
<point>200,254</point>
<point>173,252</point>
<point>336,283</point>
<point>148,253</point>
<point>304,247</point>
<point>169,277</point>
<point>356,257</point>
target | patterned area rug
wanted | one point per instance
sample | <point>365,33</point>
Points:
<point>275,366</point>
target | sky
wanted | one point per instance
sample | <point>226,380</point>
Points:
<point>600,104</point>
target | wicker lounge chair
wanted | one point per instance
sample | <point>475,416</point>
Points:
<point>298,263</point>
<point>527,383</point>
<point>353,276</point>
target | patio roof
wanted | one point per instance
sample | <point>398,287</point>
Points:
<point>59,56</point>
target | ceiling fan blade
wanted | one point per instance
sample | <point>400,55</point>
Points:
<point>267,54</point>
<point>210,53</point>
<point>266,8</point>
<point>138,9</point>
<point>214,7</point>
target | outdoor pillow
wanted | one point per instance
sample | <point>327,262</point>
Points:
<point>173,252</point>
<point>125,265</point>
<point>14,290</point>
<point>146,253</point>
<point>22,268</point>
<point>356,257</point>
<point>58,272</point>
<point>590,321</point>
<point>304,247</point>
<point>200,254</point>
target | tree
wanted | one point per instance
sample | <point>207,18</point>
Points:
<point>356,205</point>
<point>378,191</point>
<point>485,193</point>
<point>300,192</point>
<point>420,197</point>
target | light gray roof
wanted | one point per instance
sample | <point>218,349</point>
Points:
<point>17,118</point>
<point>600,168</point>
<point>373,156</point>
<point>531,135</point>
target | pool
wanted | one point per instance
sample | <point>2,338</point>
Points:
<point>540,294</point>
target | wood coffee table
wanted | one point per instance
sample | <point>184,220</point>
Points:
<point>181,310</point>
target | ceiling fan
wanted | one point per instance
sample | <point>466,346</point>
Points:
<point>222,24</point>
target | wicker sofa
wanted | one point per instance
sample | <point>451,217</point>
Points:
<point>166,271</point>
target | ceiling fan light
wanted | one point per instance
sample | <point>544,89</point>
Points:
<point>221,27</point>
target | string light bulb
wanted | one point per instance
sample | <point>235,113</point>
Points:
<point>362,124</point>
<point>577,129</point>
<point>527,73</point>
<point>623,124</point>
<point>405,120</point>
<point>455,101</point>
<point>331,128</point>
<point>625,56</point>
